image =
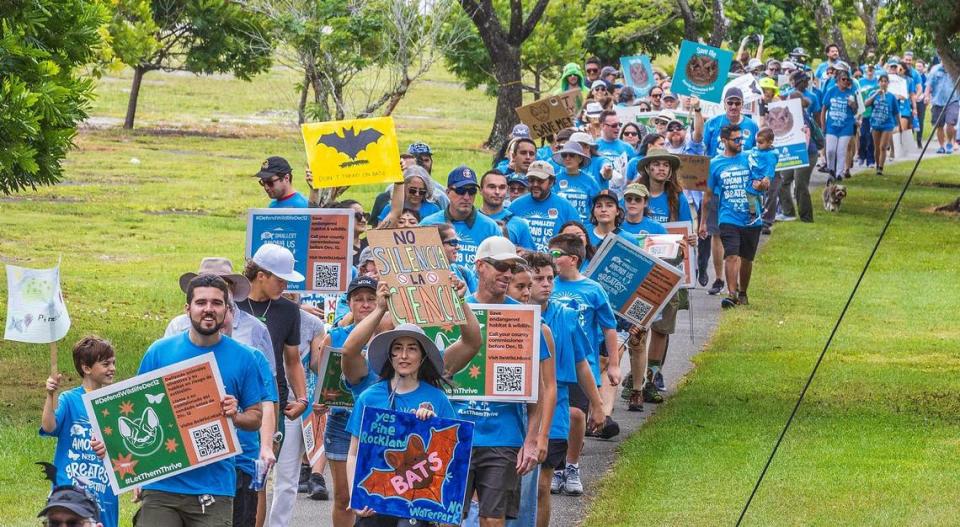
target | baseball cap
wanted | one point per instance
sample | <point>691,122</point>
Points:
<point>608,70</point>
<point>419,149</point>
<point>754,64</point>
<point>366,255</point>
<point>462,176</point>
<point>583,138</point>
<point>594,109</point>
<point>278,261</point>
<point>274,166</point>
<point>500,249</point>
<point>73,499</point>
<point>605,194</point>
<point>222,267</point>
<point>540,170</point>
<point>521,130</point>
<point>361,282</point>
<point>668,95</point>
<point>733,93</point>
<point>788,65</point>
<point>767,83</point>
<point>637,189</point>
<point>516,177</point>
<point>598,84</point>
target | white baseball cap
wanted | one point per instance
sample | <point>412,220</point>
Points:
<point>277,260</point>
<point>500,249</point>
<point>582,137</point>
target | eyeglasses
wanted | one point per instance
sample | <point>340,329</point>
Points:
<point>557,253</point>
<point>452,242</point>
<point>269,182</point>
<point>471,190</point>
<point>417,191</point>
<point>631,133</point>
<point>633,199</point>
<point>501,267</point>
<point>403,352</point>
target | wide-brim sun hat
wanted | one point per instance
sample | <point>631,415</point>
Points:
<point>658,154</point>
<point>222,267</point>
<point>583,138</point>
<point>572,147</point>
<point>378,352</point>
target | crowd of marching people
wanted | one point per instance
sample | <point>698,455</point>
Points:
<point>543,210</point>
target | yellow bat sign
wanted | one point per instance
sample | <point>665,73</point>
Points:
<point>352,152</point>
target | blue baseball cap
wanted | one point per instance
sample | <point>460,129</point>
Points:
<point>516,177</point>
<point>462,176</point>
<point>521,130</point>
<point>419,149</point>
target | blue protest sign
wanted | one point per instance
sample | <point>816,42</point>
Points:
<point>701,70</point>
<point>410,468</point>
<point>638,73</point>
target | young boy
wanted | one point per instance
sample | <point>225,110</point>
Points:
<point>763,164</point>
<point>66,419</point>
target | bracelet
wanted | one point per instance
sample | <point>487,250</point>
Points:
<point>304,401</point>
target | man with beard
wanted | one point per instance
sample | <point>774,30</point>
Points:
<point>493,191</point>
<point>544,210</point>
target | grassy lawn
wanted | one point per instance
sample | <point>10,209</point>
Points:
<point>137,209</point>
<point>876,440</point>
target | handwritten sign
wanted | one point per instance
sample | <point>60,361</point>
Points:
<point>331,389</point>
<point>638,74</point>
<point>701,70</point>
<point>638,283</point>
<point>785,118</point>
<point>352,152</point>
<point>693,172</point>
<point>507,367</point>
<point>689,264</point>
<point>35,310</point>
<point>549,115</point>
<point>321,241</point>
<point>410,468</point>
<point>413,264</point>
<point>162,423</point>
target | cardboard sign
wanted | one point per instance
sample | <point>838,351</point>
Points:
<point>693,172</point>
<point>785,118</point>
<point>162,423</point>
<point>331,388</point>
<point>638,284</point>
<point>689,265</point>
<point>313,426</point>
<point>549,115</point>
<point>35,310</point>
<point>638,74</point>
<point>701,70</point>
<point>410,468</point>
<point>507,367</point>
<point>413,264</point>
<point>321,241</point>
<point>352,152</point>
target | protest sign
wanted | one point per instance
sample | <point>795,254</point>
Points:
<point>689,264</point>
<point>632,114</point>
<point>321,241</point>
<point>413,264</point>
<point>352,152</point>
<point>326,304</point>
<point>313,426</point>
<point>638,284</point>
<point>701,70</point>
<point>162,423</point>
<point>693,172</point>
<point>638,74</point>
<point>785,118</point>
<point>36,313</point>
<point>663,246</point>
<point>331,389</point>
<point>410,468</point>
<point>549,115</point>
<point>749,86</point>
<point>507,367</point>
<point>898,86</point>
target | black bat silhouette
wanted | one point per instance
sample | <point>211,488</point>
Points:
<point>49,471</point>
<point>352,143</point>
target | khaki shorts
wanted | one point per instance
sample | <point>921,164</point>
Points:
<point>668,317</point>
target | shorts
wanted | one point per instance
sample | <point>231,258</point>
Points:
<point>336,439</point>
<point>713,217</point>
<point>493,475</point>
<point>950,112</point>
<point>667,323</point>
<point>578,398</point>
<point>739,241</point>
<point>556,455</point>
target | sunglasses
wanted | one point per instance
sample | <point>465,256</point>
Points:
<point>417,191</point>
<point>734,103</point>
<point>600,88</point>
<point>452,242</point>
<point>661,121</point>
<point>360,217</point>
<point>674,127</point>
<point>656,95</point>
<point>471,190</point>
<point>501,267</point>
<point>593,70</point>
<point>631,134</point>
<point>633,199</point>
<point>568,155</point>
<point>614,125</point>
<point>557,253</point>
<point>269,182</point>
<point>736,139</point>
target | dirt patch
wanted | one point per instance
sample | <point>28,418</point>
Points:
<point>950,209</point>
<point>172,211</point>
<point>42,199</point>
<point>940,184</point>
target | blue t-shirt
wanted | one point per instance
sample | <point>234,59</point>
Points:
<point>76,462</point>
<point>884,115</point>
<point>596,240</point>
<point>814,107</point>
<point>617,152</point>
<point>241,379</point>
<point>560,426</point>
<point>469,276</point>
<point>338,336</point>
<point>839,117</point>
<point>728,179</point>
<point>293,201</point>
<point>659,208</point>
<point>711,133</point>
<point>591,302</point>
<point>570,343</point>
<point>250,439</point>
<point>578,190</point>
<point>426,209</point>
<point>545,217</point>
<point>518,230</point>
<point>378,396</point>
<point>646,226</point>
<point>471,232</point>
<point>592,169</point>
<point>544,152</point>
<point>763,164</point>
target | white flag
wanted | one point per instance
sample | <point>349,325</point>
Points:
<point>35,309</point>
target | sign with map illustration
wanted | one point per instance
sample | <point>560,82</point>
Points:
<point>162,423</point>
<point>35,310</point>
<point>331,388</point>
<point>410,468</point>
<point>507,367</point>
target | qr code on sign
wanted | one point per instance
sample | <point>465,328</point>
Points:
<point>509,379</point>
<point>326,276</point>
<point>638,310</point>
<point>309,441</point>
<point>209,441</point>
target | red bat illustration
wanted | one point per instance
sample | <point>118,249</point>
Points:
<point>418,472</point>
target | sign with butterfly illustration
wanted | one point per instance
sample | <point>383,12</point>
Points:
<point>352,152</point>
<point>549,115</point>
<point>701,70</point>
<point>35,310</point>
<point>507,367</point>
<point>785,118</point>
<point>162,423</point>
<point>410,468</point>
<point>638,74</point>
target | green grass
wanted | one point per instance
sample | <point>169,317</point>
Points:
<point>876,440</point>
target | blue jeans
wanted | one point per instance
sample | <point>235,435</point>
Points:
<point>865,149</point>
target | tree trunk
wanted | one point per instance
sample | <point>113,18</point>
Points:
<point>338,102</point>
<point>302,105</point>
<point>689,21</point>
<point>720,24</point>
<point>506,69</point>
<point>867,10</point>
<point>397,97</point>
<point>823,12</point>
<point>537,80</point>
<point>138,73</point>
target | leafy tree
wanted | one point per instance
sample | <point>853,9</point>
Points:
<point>616,28</point>
<point>42,45</point>
<point>784,24</point>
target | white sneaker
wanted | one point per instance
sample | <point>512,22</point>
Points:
<point>557,482</point>
<point>786,218</point>
<point>572,486</point>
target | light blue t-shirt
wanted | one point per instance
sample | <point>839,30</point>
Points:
<point>596,240</point>
<point>578,190</point>
<point>469,276</point>
<point>76,462</point>
<point>659,208</point>
<point>338,336</point>
<point>518,230</point>
<point>293,201</point>
<point>646,226</point>
<point>941,85</point>
<point>763,164</point>
<point>379,396</point>
<point>570,341</point>
<point>711,133</point>
<point>241,379</point>
<point>545,217</point>
<point>250,439</point>
<point>617,152</point>
<point>727,180</point>
<point>884,115</point>
<point>591,302</point>
<point>426,209</point>
<point>471,231</point>
<point>839,117</point>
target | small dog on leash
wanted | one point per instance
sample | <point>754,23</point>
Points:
<point>833,194</point>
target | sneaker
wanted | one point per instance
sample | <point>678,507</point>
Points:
<point>941,150</point>
<point>627,387</point>
<point>304,479</point>
<point>702,277</point>
<point>571,481</point>
<point>557,482</point>
<point>742,299</point>
<point>317,488</point>
<point>950,149</point>
<point>765,230</point>
<point>728,302</point>
<point>784,217</point>
<point>716,287</point>
<point>636,401</point>
<point>651,394</point>
<point>610,429</point>
<point>658,381</point>
<point>780,217</point>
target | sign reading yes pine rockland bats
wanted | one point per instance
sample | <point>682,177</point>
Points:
<point>701,70</point>
<point>638,283</point>
<point>507,367</point>
<point>162,423</point>
<point>415,268</point>
<point>410,468</point>
<point>352,152</point>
